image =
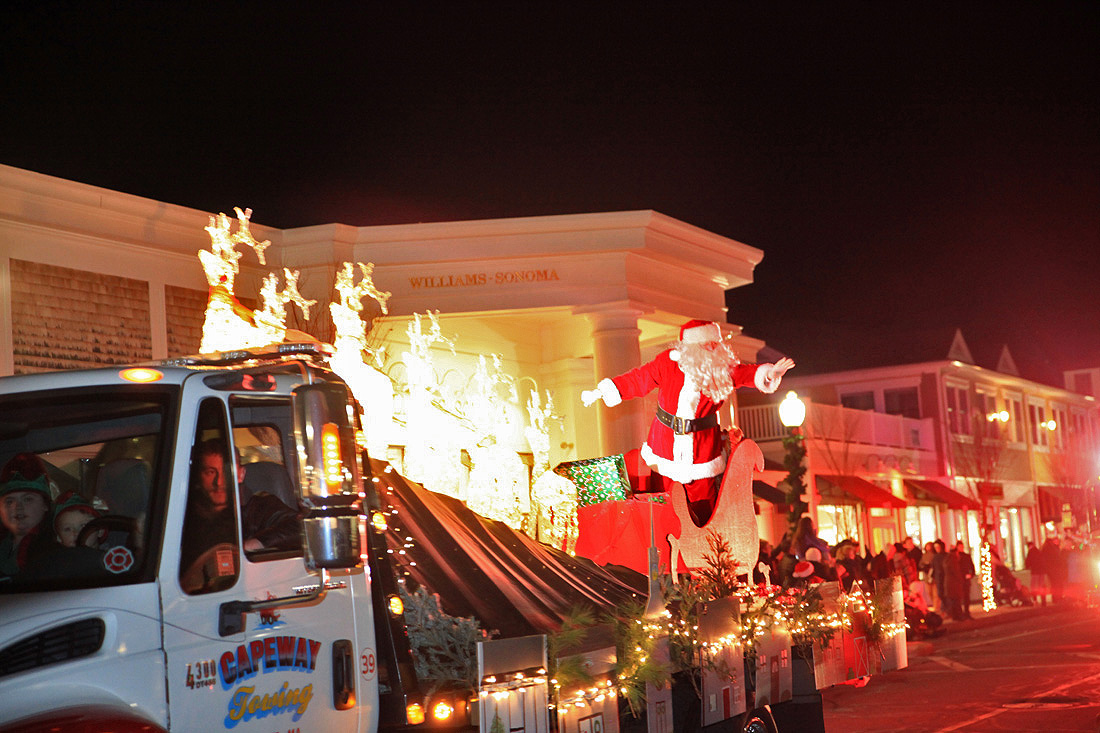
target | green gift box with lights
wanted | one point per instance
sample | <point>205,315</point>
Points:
<point>597,479</point>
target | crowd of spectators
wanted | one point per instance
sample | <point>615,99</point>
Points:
<point>1063,569</point>
<point>935,580</point>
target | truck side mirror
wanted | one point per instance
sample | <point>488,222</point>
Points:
<point>328,475</point>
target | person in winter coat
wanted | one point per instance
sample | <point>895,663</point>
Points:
<point>939,570</point>
<point>850,566</point>
<point>959,571</point>
<point>26,521</point>
<point>882,564</point>
<point>805,537</point>
<point>925,568</point>
<point>904,567</point>
<point>1055,564</point>
<point>1036,563</point>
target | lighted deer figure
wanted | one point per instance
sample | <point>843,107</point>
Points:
<point>229,324</point>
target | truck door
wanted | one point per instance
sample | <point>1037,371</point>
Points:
<point>276,675</point>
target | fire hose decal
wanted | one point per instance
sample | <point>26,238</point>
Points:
<point>118,559</point>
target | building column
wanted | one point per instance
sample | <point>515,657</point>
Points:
<point>7,319</point>
<point>158,320</point>
<point>615,348</point>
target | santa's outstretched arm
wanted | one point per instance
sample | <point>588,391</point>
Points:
<point>768,376</point>
<point>605,390</point>
<point>634,383</point>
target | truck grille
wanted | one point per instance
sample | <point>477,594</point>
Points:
<point>71,641</point>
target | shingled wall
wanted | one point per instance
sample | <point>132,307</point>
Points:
<point>185,309</point>
<point>66,319</point>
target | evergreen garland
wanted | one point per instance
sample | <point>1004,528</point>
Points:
<point>444,647</point>
<point>794,462</point>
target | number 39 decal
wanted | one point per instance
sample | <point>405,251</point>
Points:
<point>368,667</point>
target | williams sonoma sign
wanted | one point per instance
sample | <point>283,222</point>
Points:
<point>501,277</point>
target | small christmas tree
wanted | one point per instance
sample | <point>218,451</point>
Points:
<point>444,647</point>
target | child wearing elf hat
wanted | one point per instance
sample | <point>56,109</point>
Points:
<point>70,516</point>
<point>24,512</point>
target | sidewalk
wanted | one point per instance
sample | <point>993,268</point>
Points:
<point>981,620</point>
<point>1002,614</point>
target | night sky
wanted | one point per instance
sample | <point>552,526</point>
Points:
<point>907,168</point>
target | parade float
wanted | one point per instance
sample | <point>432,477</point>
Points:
<point>574,597</point>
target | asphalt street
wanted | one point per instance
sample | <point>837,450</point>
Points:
<point>1012,669</point>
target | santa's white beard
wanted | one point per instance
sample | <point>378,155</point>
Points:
<point>710,366</point>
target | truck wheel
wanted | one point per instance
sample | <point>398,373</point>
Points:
<point>757,721</point>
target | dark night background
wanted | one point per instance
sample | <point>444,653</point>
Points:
<point>907,168</point>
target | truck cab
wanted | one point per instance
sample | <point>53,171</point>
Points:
<point>219,582</point>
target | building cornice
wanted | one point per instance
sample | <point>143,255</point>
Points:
<point>36,199</point>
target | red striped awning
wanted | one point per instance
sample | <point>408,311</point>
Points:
<point>863,491</point>
<point>937,492</point>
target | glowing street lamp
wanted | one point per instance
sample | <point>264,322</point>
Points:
<point>792,410</point>
<point>792,413</point>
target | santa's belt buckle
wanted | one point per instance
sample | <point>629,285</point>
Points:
<point>680,426</point>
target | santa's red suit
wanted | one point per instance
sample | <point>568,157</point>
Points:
<point>685,443</point>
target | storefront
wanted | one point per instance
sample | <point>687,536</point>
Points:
<point>851,507</point>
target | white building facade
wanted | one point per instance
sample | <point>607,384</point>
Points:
<point>542,305</point>
<point>943,449</point>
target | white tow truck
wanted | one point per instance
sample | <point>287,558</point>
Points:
<point>121,636</point>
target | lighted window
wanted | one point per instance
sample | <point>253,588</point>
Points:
<point>1015,419</point>
<point>858,400</point>
<point>1037,419</point>
<point>1061,424</point>
<point>837,522</point>
<point>958,410</point>
<point>990,416</point>
<point>904,402</point>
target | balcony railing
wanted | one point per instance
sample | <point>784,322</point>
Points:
<point>842,424</point>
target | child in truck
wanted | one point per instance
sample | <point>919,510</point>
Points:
<point>25,500</point>
<point>70,516</point>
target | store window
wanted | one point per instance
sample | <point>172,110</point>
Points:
<point>858,400</point>
<point>921,524</point>
<point>1012,544</point>
<point>836,522</point>
<point>1015,418</point>
<point>1037,419</point>
<point>988,415</point>
<point>973,534</point>
<point>958,410</point>
<point>904,402</point>
<point>1061,425</point>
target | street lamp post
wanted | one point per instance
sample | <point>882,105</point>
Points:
<point>792,413</point>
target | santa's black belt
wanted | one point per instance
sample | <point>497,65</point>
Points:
<point>683,425</point>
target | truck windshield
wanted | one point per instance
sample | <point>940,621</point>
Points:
<point>81,472</point>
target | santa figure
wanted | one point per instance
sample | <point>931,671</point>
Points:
<point>693,379</point>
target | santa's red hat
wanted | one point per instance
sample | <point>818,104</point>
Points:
<point>700,332</point>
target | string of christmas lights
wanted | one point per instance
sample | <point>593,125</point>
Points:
<point>985,563</point>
